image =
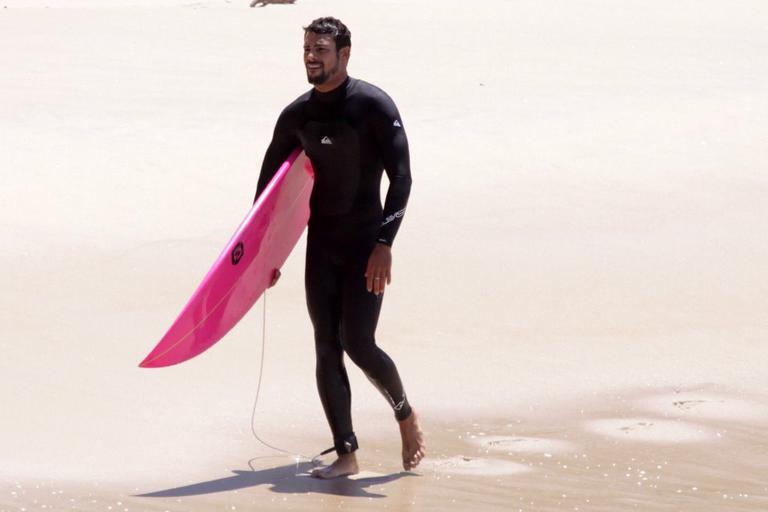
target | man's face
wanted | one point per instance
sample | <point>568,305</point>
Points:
<point>320,58</point>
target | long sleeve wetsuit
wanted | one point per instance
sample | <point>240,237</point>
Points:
<point>351,135</point>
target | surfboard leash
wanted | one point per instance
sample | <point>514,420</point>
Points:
<point>297,457</point>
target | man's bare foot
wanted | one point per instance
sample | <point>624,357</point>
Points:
<point>345,465</point>
<point>414,448</point>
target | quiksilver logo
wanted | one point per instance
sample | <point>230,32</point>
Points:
<point>392,217</point>
<point>326,140</point>
<point>396,123</point>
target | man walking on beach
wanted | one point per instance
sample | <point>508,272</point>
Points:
<point>352,132</point>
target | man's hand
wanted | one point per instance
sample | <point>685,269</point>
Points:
<point>275,278</point>
<point>378,274</point>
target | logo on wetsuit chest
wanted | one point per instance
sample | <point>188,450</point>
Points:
<point>396,123</point>
<point>326,140</point>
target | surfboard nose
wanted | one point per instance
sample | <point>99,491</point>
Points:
<point>157,359</point>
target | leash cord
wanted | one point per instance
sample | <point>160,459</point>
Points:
<point>297,457</point>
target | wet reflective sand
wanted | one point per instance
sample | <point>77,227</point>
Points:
<point>638,451</point>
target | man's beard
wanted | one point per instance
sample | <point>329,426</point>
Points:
<point>323,76</point>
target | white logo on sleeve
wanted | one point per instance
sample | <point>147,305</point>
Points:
<point>396,123</point>
<point>396,215</point>
<point>326,140</point>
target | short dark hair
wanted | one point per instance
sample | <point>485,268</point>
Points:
<point>328,25</point>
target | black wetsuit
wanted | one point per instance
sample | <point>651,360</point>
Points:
<point>350,134</point>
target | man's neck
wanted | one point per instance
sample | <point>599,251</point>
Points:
<point>330,85</point>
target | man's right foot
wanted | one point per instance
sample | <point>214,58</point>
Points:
<point>414,448</point>
<point>345,465</point>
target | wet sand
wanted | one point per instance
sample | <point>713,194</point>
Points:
<point>579,295</point>
<point>617,453</point>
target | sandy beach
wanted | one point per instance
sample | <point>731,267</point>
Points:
<point>580,285</point>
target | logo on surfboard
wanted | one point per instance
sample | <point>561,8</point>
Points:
<point>237,253</point>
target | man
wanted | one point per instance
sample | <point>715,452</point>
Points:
<point>351,131</point>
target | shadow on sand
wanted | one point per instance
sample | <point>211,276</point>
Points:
<point>292,478</point>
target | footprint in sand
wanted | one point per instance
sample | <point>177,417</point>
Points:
<point>650,430</point>
<point>475,466</point>
<point>693,404</point>
<point>533,445</point>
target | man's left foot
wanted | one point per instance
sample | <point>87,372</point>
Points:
<point>414,448</point>
<point>345,465</point>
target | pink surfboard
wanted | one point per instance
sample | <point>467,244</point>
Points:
<point>245,267</point>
